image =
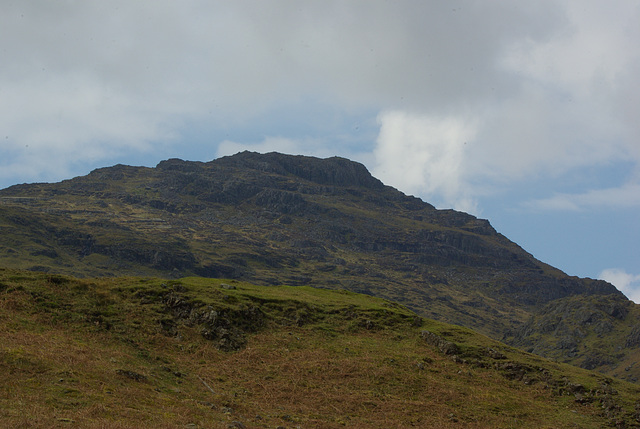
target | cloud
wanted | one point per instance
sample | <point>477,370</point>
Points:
<point>72,119</point>
<point>542,87</point>
<point>629,284</point>
<point>92,79</point>
<point>425,156</point>
<point>571,111</point>
<point>626,196</point>
<point>565,112</point>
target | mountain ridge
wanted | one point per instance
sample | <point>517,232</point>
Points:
<point>283,219</point>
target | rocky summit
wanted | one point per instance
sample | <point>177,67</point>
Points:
<point>273,219</point>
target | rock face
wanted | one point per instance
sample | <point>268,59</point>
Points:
<point>226,329</point>
<point>331,171</point>
<point>281,219</point>
<point>578,329</point>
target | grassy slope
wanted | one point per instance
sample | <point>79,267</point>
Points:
<point>231,234</point>
<point>128,352</point>
<point>159,222</point>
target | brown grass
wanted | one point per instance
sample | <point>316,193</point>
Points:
<point>59,374</point>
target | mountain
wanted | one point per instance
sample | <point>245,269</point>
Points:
<point>275,219</point>
<point>206,353</point>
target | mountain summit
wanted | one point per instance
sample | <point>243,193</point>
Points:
<point>297,220</point>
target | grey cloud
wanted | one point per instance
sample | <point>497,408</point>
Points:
<point>408,53</point>
<point>94,78</point>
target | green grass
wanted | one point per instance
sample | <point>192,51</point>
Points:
<point>126,352</point>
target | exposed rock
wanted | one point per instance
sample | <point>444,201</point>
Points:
<point>595,360</point>
<point>633,340</point>
<point>226,328</point>
<point>446,347</point>
<point>282,201</point>
<point>330,171</point>
<point>566,328</point>
<point>495,354</point>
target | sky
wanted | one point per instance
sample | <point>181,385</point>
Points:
<point>523,113</point>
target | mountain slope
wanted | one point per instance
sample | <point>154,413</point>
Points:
<point>278,219</point>
<point>202,353</point>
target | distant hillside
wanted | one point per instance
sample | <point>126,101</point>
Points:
<point>206,353</point>
<point>278,219</point>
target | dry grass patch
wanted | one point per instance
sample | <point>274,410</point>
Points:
<point>97,354</point>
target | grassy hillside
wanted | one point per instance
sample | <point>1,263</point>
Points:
<point>273,219</point>
<point>206,353</point>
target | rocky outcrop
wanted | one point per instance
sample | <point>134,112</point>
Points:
<point>446,347</point>
<point>226,328</point>
<point>575,329</point>
<point>283,202</point>
<point>330,171</point>
<point>633,339</point>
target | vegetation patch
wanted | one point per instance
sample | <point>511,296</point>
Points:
<point>195,352</point>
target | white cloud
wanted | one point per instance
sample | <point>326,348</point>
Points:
<point>626,196</point>
<point>50,125</point>
<point>629,284</point>
<point>587,56</point>
<point>425,156</point>
<point>535,134</point>
<point>571,111</point>
<point>565,112</point>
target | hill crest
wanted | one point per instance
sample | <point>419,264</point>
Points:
<point>282,219</point>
